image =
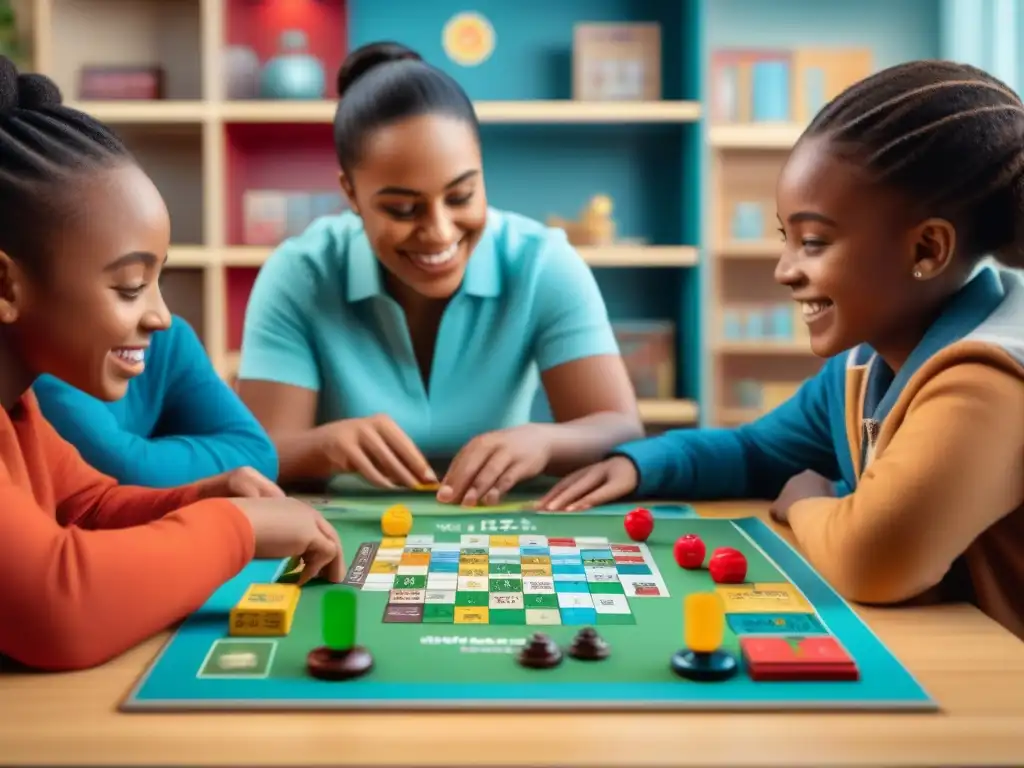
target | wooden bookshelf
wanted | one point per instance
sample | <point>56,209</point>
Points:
<point>185,141</point>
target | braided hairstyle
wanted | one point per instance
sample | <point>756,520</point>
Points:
<point>949,136</point>
<point>44,146</point>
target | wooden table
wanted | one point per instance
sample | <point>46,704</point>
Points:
<point>973,668</point>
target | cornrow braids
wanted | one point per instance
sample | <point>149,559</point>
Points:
<point>43,146</point>
<point>948,135</point>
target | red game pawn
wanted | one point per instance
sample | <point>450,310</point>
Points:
<point>727,566</point>
<point>638,524</point>
<point>689,551</point>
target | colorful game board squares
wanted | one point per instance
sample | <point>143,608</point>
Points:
<point>475,540</point>
<point>505,600</point>
<point>639,586</point>
<point>384,566</point>
<point>543,616</point>
<point>595,554</point>
<point>413,570</point>
<point>575,600</point>
<point>532,540</point>
<point>465,559</point>
<point>505,584</point>
<point>438,596</point>
<point>544,552</point>
<point>392,542</point>
<point>625,548</point>
<point>797,658</point>
<point>544,600</point>
<point>558,551</point>
<point>570,586</point>
<point>442,581</point>
<point>536,570</point>
<point>510,552</point>
<point>565,569</point>
<point>446,546</point>
<point>538,585</point>
<point>470,615</point>
<point>633,569</point>
<point>419,540</point>
<point>406,596</point>
<point>526,559</point>
<point>478,599</point>
<point>443,566</point>
<point>505,569</point>
<point>379,582</point>
<point>472,584</point>
<point>411,582</point>
<point>473,551</point>
<point>606,587</point>
<point>578,616</point>
<point>504,541</point>
<point>415,558</point>
<point>561,541</point>
<point>591,542</point>
<point>611,603</point>
<point>438,613</point>
<point>601,573</point>
<point>473,570</point>
<point>403,613</point>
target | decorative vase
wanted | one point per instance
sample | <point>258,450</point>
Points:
<point>241,72</point>
<point>293,73</point>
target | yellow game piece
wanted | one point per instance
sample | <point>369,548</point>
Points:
<point>427,487</point>
<point>396,521</point>
<point>703,622</point>
<point>265,609</point>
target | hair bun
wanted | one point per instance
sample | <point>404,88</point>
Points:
<point>25,91</point>
<point>363,59</point>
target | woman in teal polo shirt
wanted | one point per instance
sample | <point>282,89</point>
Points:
<point>419,324</point>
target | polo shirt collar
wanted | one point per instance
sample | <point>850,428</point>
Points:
<point>482,278</point>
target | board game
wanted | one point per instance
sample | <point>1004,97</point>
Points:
<point>449,613</point>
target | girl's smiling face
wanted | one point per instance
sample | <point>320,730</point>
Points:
<point>856,256</point>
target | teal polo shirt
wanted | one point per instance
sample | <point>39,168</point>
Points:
<point>319,317</point>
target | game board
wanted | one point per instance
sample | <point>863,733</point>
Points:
<point>445,639</point>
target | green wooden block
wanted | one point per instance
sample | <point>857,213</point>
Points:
<point>339,618</point>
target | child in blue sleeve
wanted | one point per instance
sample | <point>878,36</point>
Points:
<point>178,423</point>
<point>889,206</point>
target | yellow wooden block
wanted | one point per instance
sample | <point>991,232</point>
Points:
<point>703,622</point>
<point>384,566</point>
<point>415,558</point>
<point>427,487</point>
<point>473,560</point>
<point>536,570</point>
<point>763,598</point>
<point>470,615</point>
<point>504,541</point>
<point>472,570</point>
<point>396,521</point>
<point>265,609</point>
<point>392,542</point>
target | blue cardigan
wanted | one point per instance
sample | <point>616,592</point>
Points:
<point>179,421</point>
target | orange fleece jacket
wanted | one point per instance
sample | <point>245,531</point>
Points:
<point>89,568</point>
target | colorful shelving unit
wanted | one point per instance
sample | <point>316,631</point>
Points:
<point>545,153</point>
<point>677,175</point>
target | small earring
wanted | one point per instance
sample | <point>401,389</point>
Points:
<point>917,274</point>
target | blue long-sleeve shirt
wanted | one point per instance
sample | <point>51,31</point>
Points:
<point>179,421</point>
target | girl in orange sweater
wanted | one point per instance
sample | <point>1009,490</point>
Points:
<point>89,568</point>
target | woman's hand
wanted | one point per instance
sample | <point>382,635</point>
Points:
<point>592,486</point>
<point>376,448</point>
<point>244,482</point>
<point>806,485</point>
<point>491,464</point>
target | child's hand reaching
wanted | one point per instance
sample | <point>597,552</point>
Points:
<point>592,486</point>
<point>244,482</point>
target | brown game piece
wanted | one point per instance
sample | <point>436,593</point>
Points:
<point>589,646</point>
<point>329,664</point>
<point>541,652</point>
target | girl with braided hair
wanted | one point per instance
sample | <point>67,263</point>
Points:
<point>890,206</point>
<point>90,567</point>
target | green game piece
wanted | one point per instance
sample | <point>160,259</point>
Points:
<point>339,618</point>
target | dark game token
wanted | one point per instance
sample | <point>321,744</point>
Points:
<point>589,646</point>
<point>704,667</point>
<point>329,664</point>
<point>541,652</point>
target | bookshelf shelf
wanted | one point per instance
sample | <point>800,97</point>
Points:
<point>755,135</point>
